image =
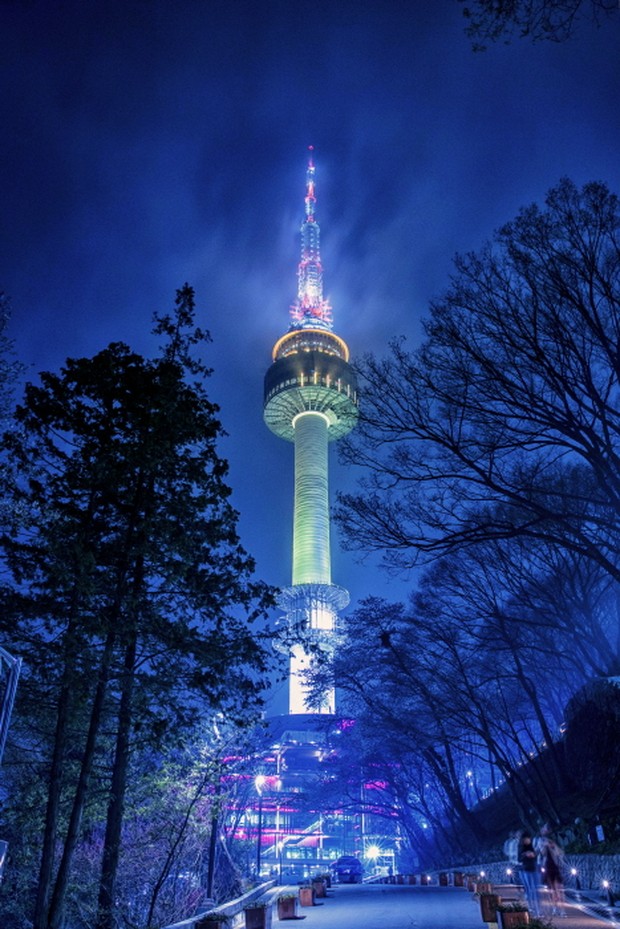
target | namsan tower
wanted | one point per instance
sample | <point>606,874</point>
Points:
<point>310,400</point>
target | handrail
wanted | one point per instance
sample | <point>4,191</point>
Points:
<point>227,910</point>
<point>584,869</point>
<point>10,668</point>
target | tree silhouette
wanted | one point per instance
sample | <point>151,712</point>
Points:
<point>538,20</point>
<point>505,422</point>
<point>131,595</point>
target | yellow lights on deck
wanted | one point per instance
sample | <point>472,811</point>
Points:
<point>310,340</point>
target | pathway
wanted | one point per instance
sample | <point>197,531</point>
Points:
<point>395,906</point>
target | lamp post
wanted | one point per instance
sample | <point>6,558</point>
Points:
<point>279,844</point>
<point>259,782</point>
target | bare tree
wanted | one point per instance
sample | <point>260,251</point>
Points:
<point>468,686</point>
<point>505,422</point>
<point>550,20</point>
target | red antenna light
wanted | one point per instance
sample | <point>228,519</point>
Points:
<point>311,308</point>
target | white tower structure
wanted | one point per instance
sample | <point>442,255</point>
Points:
<point>310,400</point>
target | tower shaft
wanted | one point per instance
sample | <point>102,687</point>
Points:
<point>311,553</point>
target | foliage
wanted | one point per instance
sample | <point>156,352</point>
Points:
<point>504,423</point>
<point>131,599</point>
<point>10,371</point>
<point>551,20</point>
<point>454,731</point>
<point>490,458</point>
<point>513,572</point>
<point>593,718</point>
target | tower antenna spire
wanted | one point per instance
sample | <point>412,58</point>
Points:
<point>310,197</point>
<point>311,309</point>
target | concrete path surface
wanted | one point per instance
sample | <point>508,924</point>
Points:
<point>395,906</point>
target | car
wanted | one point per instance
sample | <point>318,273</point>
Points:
<point>348,870</point>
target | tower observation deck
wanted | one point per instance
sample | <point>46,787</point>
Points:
<point>310,399</point>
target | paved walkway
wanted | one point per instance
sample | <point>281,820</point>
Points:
<point>395,906</point>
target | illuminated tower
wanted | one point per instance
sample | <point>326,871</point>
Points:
<point>310,400</point>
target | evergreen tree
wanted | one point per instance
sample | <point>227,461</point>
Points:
<point>130,590</point>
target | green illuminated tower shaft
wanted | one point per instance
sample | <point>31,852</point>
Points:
<point>311,561</point>
<point>310,400</point>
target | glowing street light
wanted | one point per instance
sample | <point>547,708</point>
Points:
<point>609,892</point>
<point>373,852</point>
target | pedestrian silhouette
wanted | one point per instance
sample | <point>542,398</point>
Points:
<point>530,875</point>
<point>552,863</point>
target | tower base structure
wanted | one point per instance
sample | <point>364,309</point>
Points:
<point>311,631</point>
<point>296,804</point>
<point>301,831</point>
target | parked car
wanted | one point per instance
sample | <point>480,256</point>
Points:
<point>348,870</point>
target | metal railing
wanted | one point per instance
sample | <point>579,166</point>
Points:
<point>232,911</point>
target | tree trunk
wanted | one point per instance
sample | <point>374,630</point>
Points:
<point>116,804</point>
<point>215,825</point>
<point>56,911</point>
<point>44,886</point>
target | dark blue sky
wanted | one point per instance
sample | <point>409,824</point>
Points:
<point>145,144</point>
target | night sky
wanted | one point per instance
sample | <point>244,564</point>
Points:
<point>145,144</point>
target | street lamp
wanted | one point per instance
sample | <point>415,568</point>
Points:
<point>373,852</point>
<point>259,783</point>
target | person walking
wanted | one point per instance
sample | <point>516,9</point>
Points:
<point>528,859</point>
<point>552,862</point>
<point>511,851</point>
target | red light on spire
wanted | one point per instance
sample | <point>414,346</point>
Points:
<point>311,308</point>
